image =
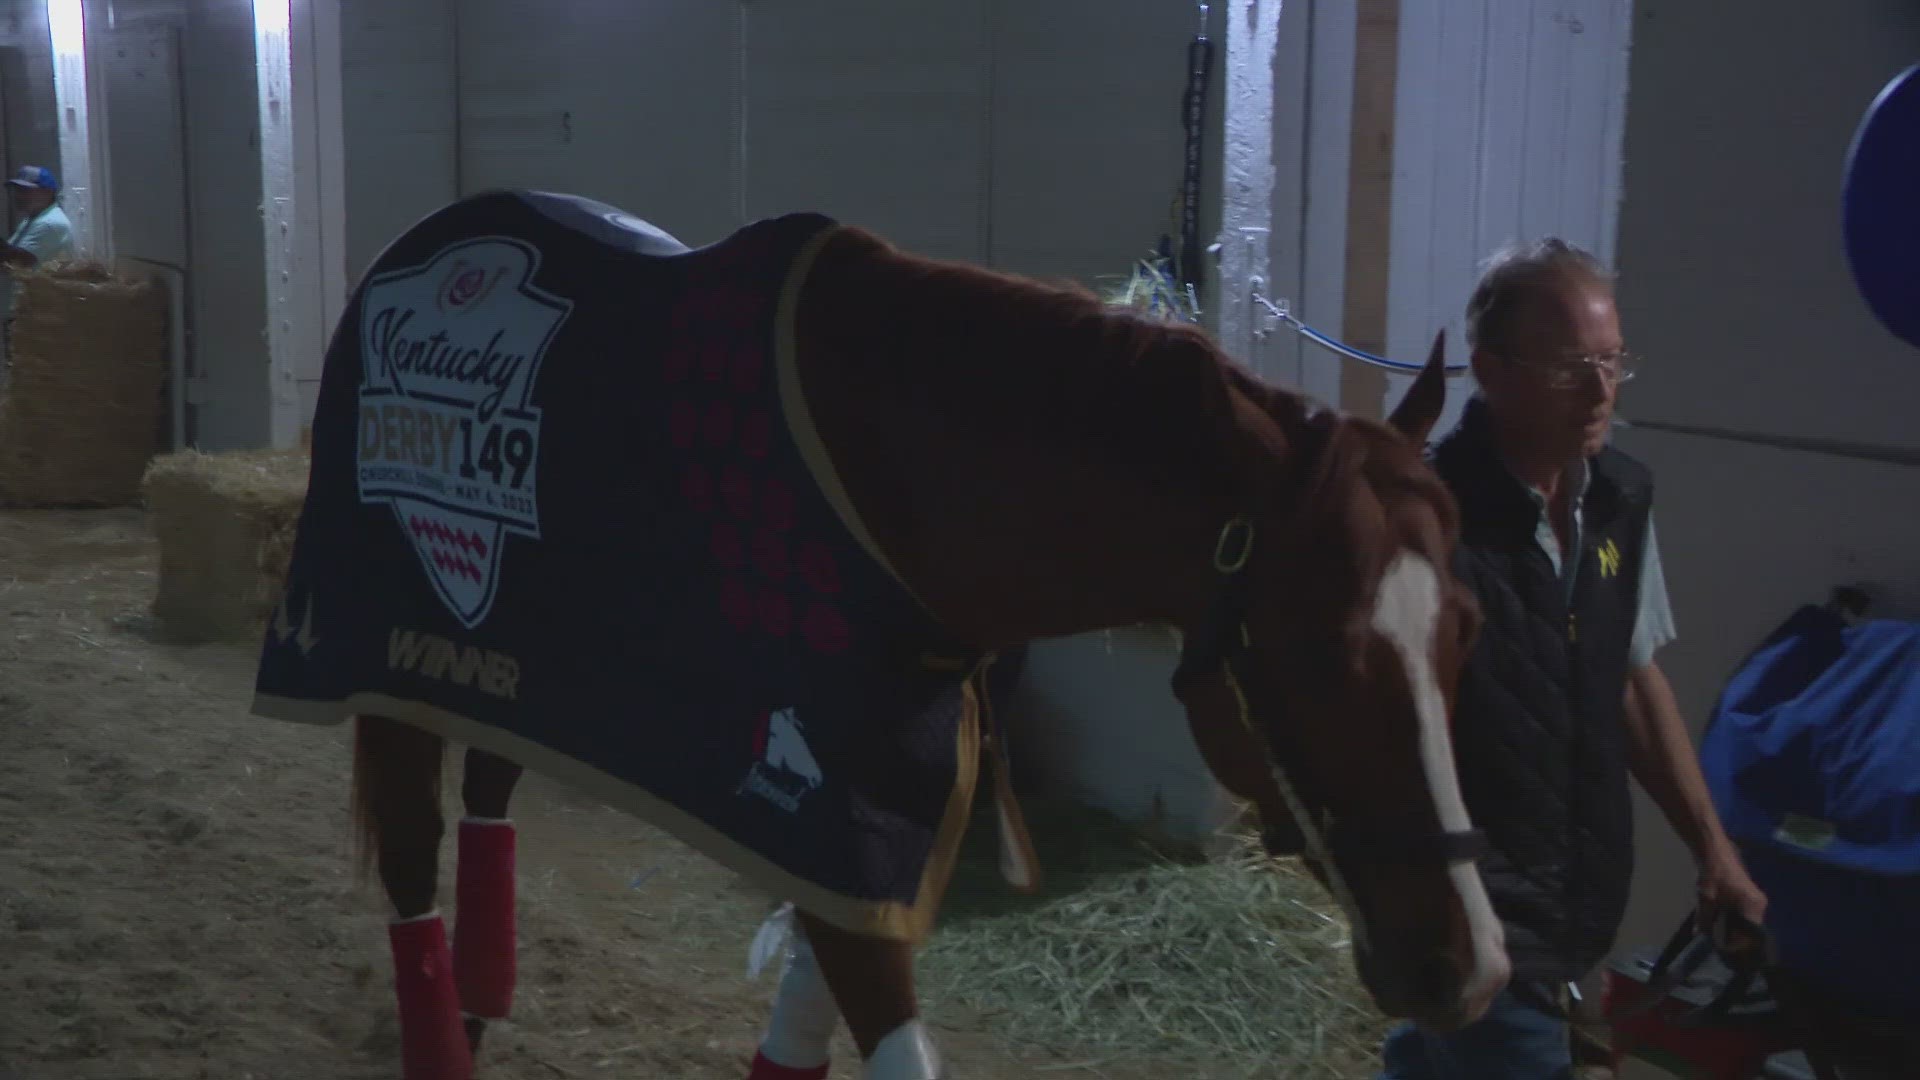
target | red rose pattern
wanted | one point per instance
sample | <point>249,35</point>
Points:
<point>771,582</point>
<point>825,629</point>
<point>776,503</point>
<point>770,555</point>
<point>736,603</point>
<point>817,568</point>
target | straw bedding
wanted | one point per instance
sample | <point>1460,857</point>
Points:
<point>1238,965</point>
<point>226,525</point>
<point>84,402</point>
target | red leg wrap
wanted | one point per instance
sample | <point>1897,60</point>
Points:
<point>767,1070</point>
<point>433,1043</point>
<point>483,954</point>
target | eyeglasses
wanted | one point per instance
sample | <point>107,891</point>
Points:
<point>1571,370</point>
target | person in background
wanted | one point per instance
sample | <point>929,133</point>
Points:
<point>41,234</point>
<point>1561,698</point>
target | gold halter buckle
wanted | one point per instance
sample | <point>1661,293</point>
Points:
<point>1235,546</point>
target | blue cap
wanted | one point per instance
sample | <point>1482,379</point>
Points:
<point>34,176</point>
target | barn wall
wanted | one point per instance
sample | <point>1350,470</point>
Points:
<point>174,88</point>
<point>1043,138</point>
<point>182,96</point>
<point>398,107</point>
<point>1736,291</point>
<point>32,132</point>
<point>961,132</point>
<point>229,254</point>
<point>1508,120</point>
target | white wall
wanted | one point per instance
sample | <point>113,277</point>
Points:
<point>1041,138</point>
<point>958,131</point>
<point>398,117</point>
<point>229,253</point>
<point>1508,127</point>
<point>631,104</point>
<point>32,132</point>
<point>1735,289</point>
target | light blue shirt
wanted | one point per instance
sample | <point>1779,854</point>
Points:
<point>49,236</point>
<point>1653,619</point>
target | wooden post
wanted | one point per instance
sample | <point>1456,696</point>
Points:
<point>1363,388</point>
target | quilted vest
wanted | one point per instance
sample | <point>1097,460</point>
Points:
<point>1539,727</point>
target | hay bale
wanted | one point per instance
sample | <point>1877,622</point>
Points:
<point>84,402</point>
<point>225,523</point>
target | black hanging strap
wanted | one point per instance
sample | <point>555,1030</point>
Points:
<point>1194,118</point>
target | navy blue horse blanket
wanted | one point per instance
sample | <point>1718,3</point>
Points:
<point>567,505</point>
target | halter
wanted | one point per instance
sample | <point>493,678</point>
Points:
<point>1218,645</point>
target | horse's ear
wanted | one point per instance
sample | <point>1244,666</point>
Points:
<point>1421,406</point>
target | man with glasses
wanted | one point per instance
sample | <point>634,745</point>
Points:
<point>1561,697</point>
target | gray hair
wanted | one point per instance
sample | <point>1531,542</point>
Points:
<point>1516,270</point>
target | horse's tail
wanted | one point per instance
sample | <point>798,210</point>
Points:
<point>370,738</point>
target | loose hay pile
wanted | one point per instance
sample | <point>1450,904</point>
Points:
<point>225,523</point>
<point>82,411</point>
<point>1240,964</point>
<point>1150,291</point>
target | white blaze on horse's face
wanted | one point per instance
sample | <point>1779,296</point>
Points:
<point>1407,614</point>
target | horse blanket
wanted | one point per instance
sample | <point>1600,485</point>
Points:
<point>567,505</point>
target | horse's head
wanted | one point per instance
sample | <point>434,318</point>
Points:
<point>1319,686</point>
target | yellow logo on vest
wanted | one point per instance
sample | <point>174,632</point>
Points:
<point>1609,559</point>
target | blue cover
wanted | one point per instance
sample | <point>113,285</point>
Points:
<point>567,504</point>
<point>1813,759</point>
<point>1815,744</point>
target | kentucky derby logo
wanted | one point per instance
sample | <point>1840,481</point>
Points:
<point>449,435</point>
<point>786,770</point>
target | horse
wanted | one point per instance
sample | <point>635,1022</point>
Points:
<point>1034,464</point>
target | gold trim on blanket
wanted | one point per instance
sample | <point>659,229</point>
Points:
<point>799,417</point>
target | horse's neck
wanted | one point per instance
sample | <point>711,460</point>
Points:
<point>1011,518</point>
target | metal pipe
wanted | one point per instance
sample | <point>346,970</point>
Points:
<point>1858,451</point>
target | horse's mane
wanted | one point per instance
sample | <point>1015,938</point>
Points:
<point>1163,397</point>
<point>1159,395</point>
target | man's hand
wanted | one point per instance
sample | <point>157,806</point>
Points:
<point>1661,755</point>
<point>1724,888</point>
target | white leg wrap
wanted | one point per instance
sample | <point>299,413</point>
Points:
<point>905,1054</point>
<point>800,1035</point>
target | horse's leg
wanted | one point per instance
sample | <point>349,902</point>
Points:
<point>872,981</point>
<point>800,1033</point>
<point>483,937</point>
<point>397,804</point>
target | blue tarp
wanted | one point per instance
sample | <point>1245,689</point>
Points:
<point>1814,749</point>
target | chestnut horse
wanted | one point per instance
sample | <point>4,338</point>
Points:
<point>1037,465</point>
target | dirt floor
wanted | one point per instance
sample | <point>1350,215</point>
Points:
<point>176,899</point>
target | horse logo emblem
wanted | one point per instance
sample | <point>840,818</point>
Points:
<point>449,435</point>
<point>785,770</point>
